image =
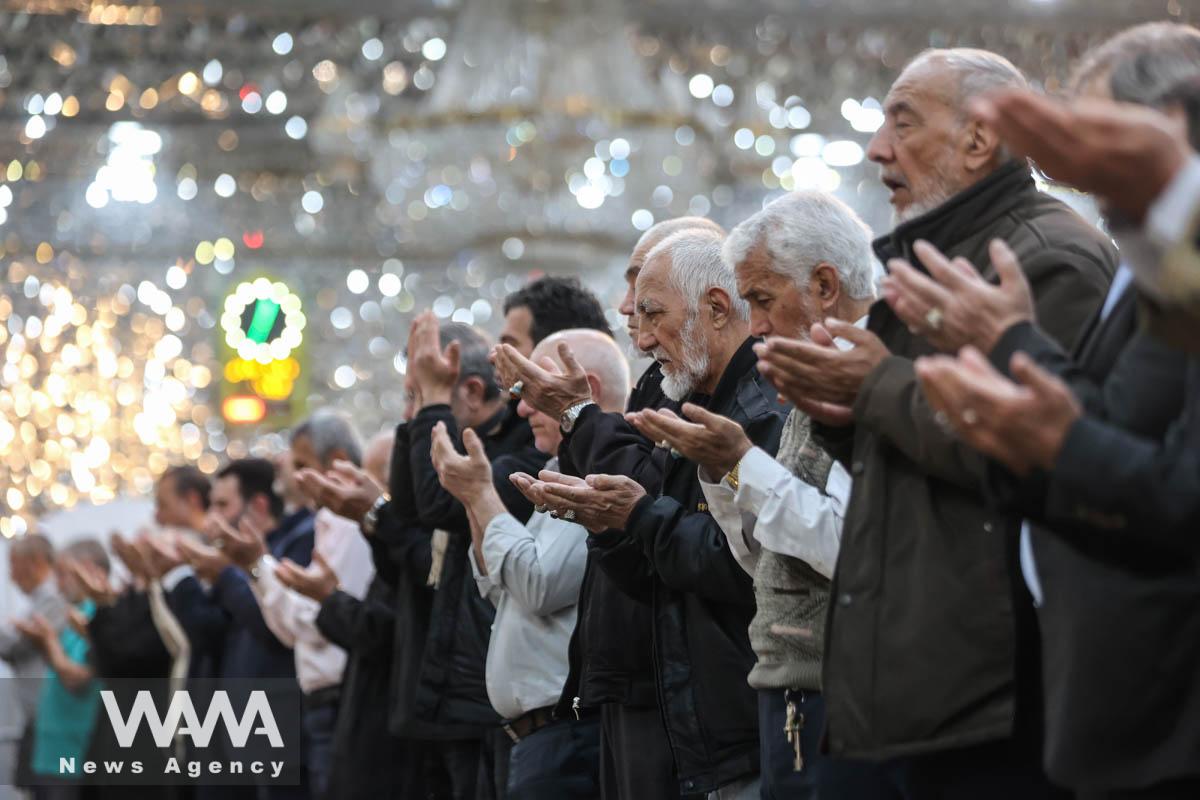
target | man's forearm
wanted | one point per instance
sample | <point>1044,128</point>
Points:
<point>481,510</point>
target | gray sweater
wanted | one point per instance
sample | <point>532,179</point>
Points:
<point>792,597</point>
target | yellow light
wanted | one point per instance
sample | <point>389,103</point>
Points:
<point>70,106</point>
<point>149,99</point>
<point>243,409</point>
<point>44,253</point>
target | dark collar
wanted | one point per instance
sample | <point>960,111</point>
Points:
<point>498,423</point>
<point>742,362</point>
<point>972,210</point>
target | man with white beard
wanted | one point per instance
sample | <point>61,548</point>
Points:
<point>664,546</point>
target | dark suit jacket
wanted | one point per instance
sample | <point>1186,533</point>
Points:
<point>1121,613</point>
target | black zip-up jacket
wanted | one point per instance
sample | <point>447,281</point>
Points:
<point>674,554</point>
<point>609,654</point>
<point>441,637</point>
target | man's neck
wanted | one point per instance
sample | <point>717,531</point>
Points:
<point>852,311</point>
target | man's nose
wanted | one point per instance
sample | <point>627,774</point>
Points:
<point>879,149</point>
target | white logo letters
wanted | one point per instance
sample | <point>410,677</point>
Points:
<point>181,710</point>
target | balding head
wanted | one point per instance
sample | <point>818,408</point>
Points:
<point>377,456</point>
<point>931,146</point>
<point>601,359</point>
<point>607,373</point>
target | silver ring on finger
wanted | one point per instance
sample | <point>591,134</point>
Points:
<point>933,318</point>
<point>540,508</point>
<point>569,515</point>
<point>515,390</point>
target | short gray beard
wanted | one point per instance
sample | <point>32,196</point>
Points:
<point>684,377</point>
<point>941,189</point>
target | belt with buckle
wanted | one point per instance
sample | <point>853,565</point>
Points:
<point>528,723</point>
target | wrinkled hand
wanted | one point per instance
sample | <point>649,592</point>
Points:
<point>466,477</point>
<point>712,441</point>
<point>434,371</point>
<point>206,560</point>
<point>1125,153</point>
<point>244,545</point>
<point>817,376</point>
<point>317,581</point>
<point>94,583</point>
<point>600,502</point>
<point>544,387</point>
<point>533,489</point>
<point>1022,425</point>
<point>347,490</point>
<point>134,559</point>
<point>162,553</point>
<point>968,309</point>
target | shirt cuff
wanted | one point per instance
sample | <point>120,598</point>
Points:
<point>485,583</point>
<point>757,473</point>
<point>175,576</point>
<point>1171,215</point>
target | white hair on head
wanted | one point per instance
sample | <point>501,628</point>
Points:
<point>697,266</point>
<point>978,71</point>
<point>805,228</point>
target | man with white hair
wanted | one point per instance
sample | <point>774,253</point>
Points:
<point>920,655</point>
<point>804,257</point>
<point>664,546</point>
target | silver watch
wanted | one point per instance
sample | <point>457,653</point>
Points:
<point>568,418</point>
<point>371,518</point>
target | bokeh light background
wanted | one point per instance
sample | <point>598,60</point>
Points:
<point>378,158</point>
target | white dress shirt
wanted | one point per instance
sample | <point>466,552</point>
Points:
<point>292,617</point>
<point>534,576</point>
<point>782,513</point>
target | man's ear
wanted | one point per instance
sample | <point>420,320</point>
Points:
<point>982,146</point>
<point>472,390</point>
<point>719,304</point>
<point>594,386</point>
<point>261,505</point>
<point>825,285</point>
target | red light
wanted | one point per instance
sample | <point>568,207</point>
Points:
<point>243,409</point>
<point>253,239</point>
<point>246,90</point>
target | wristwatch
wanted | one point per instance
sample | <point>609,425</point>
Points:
<point>256,570</point>
<point>371,518</point>
<point>731,477</point>
<point>568,418</point>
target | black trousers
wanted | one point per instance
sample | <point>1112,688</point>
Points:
<point>635,757</point>
<point>452,769</point>
<point>993,771</point>
<point>558,762</point>
<point>777,756</point>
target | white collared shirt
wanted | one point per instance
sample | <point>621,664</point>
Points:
<point>534,576</point>
<point>292,617</point>
<point>772,508</point>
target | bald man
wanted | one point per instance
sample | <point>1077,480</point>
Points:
<point>532,573</point>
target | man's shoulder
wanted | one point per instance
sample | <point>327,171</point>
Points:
<point>757,399</point>
<point>1047,225</point>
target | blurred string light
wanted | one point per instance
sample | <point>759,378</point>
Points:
<point>128,172</point>
<point>95,394</point>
